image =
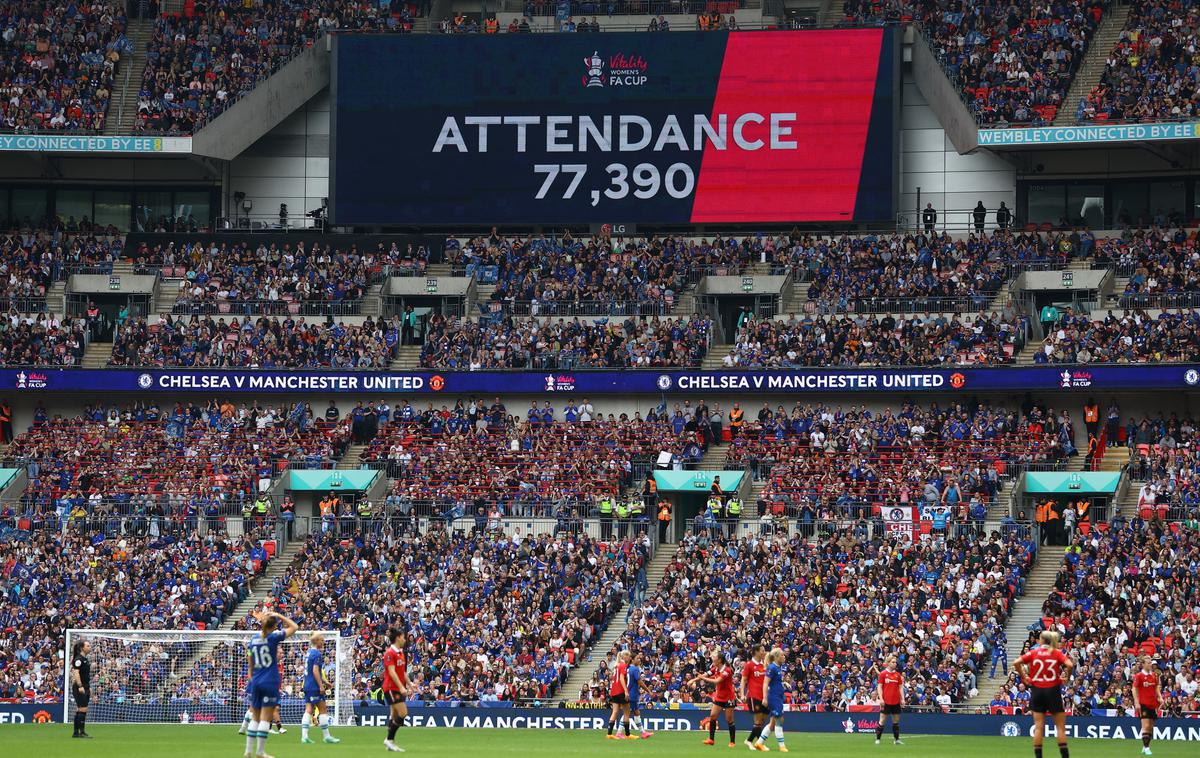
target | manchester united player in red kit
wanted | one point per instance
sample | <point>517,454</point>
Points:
<point>1043,669</point>
<point>395,686</point>
<point>890,692</point>
<point>618,697</point>
<point>754,675</point>
<point>724,699</point>
<point>1147,697</point>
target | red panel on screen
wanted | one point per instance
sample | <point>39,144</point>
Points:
<point>828,80</point>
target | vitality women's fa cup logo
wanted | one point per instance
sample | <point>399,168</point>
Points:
<point>595,70</point>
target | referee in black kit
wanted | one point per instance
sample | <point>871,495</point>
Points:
<point>81,685</point>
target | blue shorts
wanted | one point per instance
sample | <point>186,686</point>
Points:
<point>633,704</point>
<point>264,696</point>
<point>775,708</point>
<point>314,698</point>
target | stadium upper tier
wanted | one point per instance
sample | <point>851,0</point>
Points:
<point>1013,62</point>
<point>1151,72</point>
<point>1120,593</point>
<point>57,63</point>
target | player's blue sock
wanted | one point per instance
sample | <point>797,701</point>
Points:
<point>304,721</point>
<point>323,720</point>
<point>779,735</point>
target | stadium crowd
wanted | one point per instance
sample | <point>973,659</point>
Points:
<point>1161,265</point>
<point>255,343</point>
<point>565,275</point>
<point>1121,592</point>
<point>1129,338</point>
<point>167,465</point>
<point>1151,72</point>
<point>504,341</point>
<point>465,460</point>
<point>838,607</point>
<point>491,618</point>
<point>1013,61</point>
<point>271,277</point>
<point>41,339</point>
<point>1165,466</point>
<point>913,272</point>
<point>860,340</point>
<point>57,64</point>
<point>53,580</point>
<point>202,61</point>
<point>824,464</point>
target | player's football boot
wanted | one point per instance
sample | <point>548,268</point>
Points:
<point>330,740</point>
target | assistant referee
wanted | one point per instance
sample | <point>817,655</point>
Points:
<point>81,685</point>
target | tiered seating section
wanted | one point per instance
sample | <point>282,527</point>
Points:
<point>444,458</point>
<point>57,63</point>
<point>86,578</point>
<point>203,60</point>
<point>1165,466</point>
<point>1150,74</point>
<point>1161,267</point>
<point>464,598</point>
<point>1123,592</point>
<point>838,608</point>
<point>255,343</point>
<point>41,339</point>
<point>864,341</point>
<point>503,341</point>
<point>567,276</point>
<point>911,273</point>
<point>1013,61</point>
<point>822,463</point>
<point>273,277</point>
<point>1169,337</point>
<point>175,462</point>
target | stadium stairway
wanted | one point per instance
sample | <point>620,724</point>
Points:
<point>655,571</point>
<point>1114,459</point>
<point>96,355</point>
<point>407,357</point>
<point>713,458</point>
<point>1092,68</point>
<point>56,298</point>
<point>352,460</point>
<point>716,354</point>
<point>127,81</point>
<point>262,586</point>
<point>1027,610</point>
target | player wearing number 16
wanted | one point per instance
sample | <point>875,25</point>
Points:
<point>1043,669</point>
<point>262,651</point>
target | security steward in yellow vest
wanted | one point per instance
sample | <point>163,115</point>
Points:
<point>664,521</point>
<point>622,519</point>
<point>606,516</point>
<point>733,514</point>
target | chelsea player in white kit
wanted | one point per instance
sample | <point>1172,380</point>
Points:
<point>315,687</point>
<point>262,652</point>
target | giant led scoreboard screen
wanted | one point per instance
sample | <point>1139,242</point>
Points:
<point>682,127</point>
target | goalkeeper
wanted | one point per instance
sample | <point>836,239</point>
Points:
<point>315,687</point>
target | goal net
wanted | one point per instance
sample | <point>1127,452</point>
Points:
<point>196,676</point>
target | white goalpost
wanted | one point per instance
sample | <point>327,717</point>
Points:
<point>196,676</point>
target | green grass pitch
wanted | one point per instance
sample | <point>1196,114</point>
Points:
<point>194,741</point>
